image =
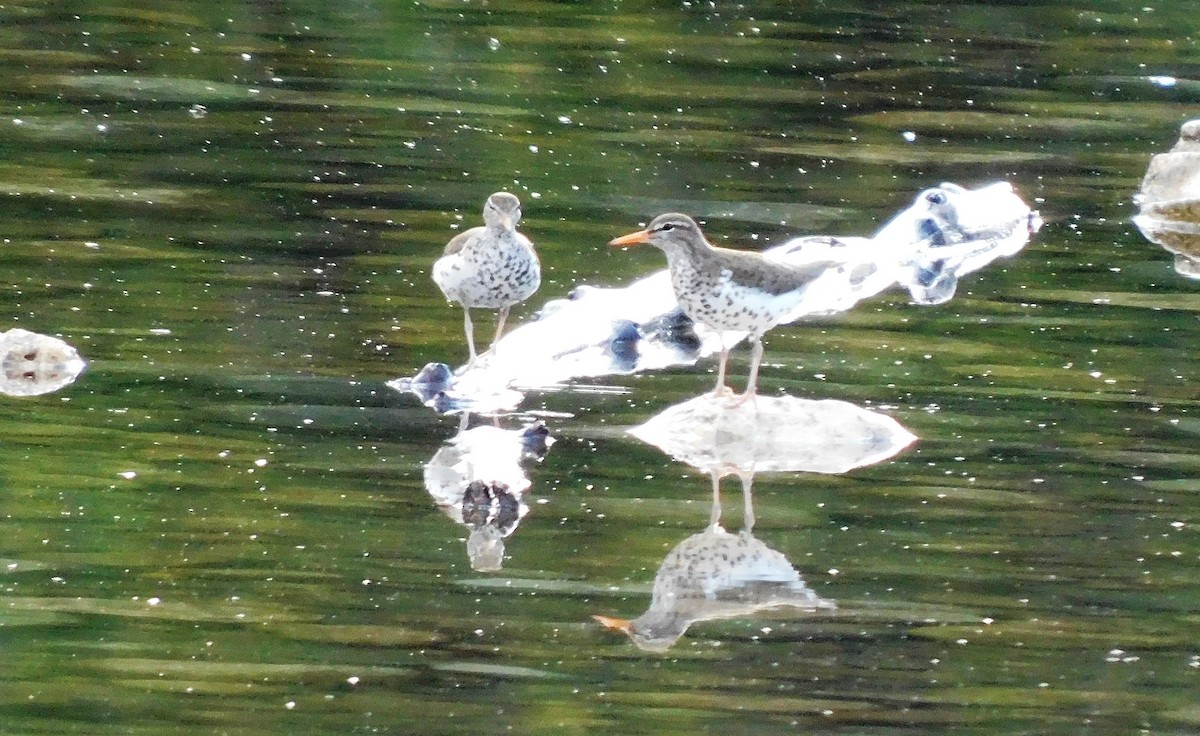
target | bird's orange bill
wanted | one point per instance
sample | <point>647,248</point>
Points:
<point>641,236</point>
<point>616,624</point>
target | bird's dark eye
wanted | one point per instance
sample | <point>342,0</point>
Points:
<point>936,197</point>
<point>666,226</point>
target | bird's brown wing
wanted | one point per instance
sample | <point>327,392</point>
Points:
<point>771,276</point>
<point>458,242</point>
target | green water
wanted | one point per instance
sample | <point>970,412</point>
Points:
<point>231,210</point>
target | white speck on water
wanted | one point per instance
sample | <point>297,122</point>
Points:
<point>908,136</point>
<point>533,149</point>
<point>1162,81</point>
<point>352,679</point>
<point>153,601</point>
<point>128,475</point>
<point>493,44</point>
<point>261,462</point>
<point>564,119</point>
<point>291,704</point>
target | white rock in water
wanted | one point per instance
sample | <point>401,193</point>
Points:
<point>33,364</point>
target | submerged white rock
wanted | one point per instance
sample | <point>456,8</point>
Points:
<point>33,364</point>
<point>774,433</point>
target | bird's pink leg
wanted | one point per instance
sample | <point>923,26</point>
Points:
<point>470,329</point>
<point>756,355</point>
<point>715,517</point>
<point>500,325</point>
<point>722,358</point>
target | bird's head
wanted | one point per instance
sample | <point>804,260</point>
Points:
<point>502,210</point>
<point>671,232</point>
<point>651,635</point>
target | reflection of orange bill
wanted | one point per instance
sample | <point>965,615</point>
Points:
<point>616,624</point>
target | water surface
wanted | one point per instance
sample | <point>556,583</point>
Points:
<point>231,210</point>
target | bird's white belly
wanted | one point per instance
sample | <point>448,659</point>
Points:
<point>729,306</point>
<point>491,279</point>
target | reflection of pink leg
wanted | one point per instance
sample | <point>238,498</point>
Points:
<point>747,501</point>
<point>715,517</point>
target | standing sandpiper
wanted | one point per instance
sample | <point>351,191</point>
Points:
<point>726,290</point>
<point>493,266</point>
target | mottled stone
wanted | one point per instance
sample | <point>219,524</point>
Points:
<point>1169,200</point>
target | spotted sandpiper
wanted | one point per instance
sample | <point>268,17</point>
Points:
<point>730,291</point>
<point>493,266</point>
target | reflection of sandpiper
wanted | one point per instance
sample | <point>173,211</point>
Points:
<point>717,575</point>
<point>491,511</point>
<point>477,480</point>
<point>492,266</point>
